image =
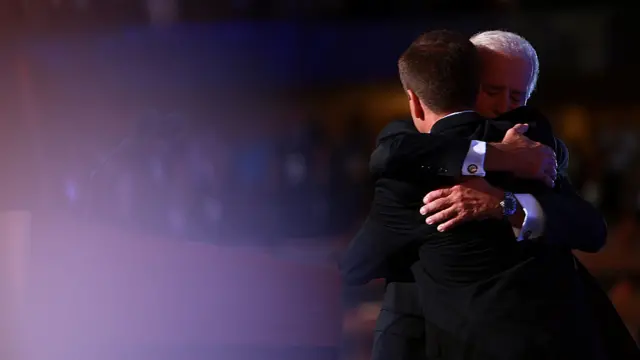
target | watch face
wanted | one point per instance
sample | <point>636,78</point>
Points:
<point>509,207</point>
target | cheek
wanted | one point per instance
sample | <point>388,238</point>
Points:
<point>484,105</point>
<point>517,104</point>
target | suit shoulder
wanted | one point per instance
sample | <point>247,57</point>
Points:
<point>395,128</point>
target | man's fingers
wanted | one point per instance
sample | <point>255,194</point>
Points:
<point>548,181</point>
<point>450,224</point>
<point>436,194</point>
<point>442,216</point>
<point>435,205</point>
<point>521,128</point>
<point>515,133</point>
<point>550,153</point>
<point>551,169</point>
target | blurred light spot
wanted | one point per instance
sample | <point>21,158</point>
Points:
<point>71,190</point>
<point>295,168</point>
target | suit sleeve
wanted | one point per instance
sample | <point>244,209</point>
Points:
<point>388,229</point>
<point>570,220</point>
<point>365,258</point>
<point>418,156</point>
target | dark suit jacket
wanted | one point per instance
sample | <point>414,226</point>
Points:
<point>400,230</point>
<point>407,155</point>
<point>400,327</point>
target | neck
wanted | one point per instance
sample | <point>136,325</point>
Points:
<point>430,118</point>
<point>448,113</point>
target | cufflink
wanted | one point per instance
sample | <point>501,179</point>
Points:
<point>472,169</point>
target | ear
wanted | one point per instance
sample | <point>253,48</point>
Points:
<point>415,105</point>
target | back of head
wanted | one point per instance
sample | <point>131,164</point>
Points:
<point>512,45</point>
<point>442,68</point>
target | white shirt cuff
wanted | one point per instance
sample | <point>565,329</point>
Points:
<point>533,226</point>
<point>473,164</point>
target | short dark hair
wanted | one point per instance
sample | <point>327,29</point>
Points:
<point>442,68</point>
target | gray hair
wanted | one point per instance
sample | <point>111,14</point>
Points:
<point>510,44</point>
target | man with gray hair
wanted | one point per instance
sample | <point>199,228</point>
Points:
<point>509,75</point>
<point>510,71</point>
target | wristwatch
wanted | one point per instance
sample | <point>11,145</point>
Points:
<point>509,204</point>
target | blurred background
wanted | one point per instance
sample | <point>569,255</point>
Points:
<point>195,168</point>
